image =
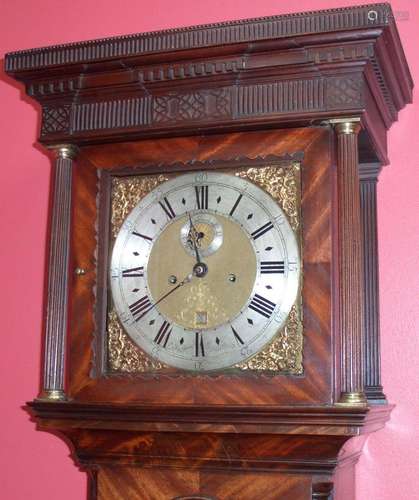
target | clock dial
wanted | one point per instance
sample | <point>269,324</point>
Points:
<point>204,271</point>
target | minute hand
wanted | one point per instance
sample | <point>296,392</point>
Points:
<point>186,280</point>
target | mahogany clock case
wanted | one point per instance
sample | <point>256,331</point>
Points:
<point>317,88</point>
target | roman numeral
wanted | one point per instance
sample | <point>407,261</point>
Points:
<point>142,236</point>
<point>141,307</point>
<point>262,230</point>
<point>199,344</point>
<point>167,208</point>
<point>235,204</point>
<point>135,272</point>
<point>272,267</point>
<point>201,197</point>
<point>262,306</point>
<point>163,334</point>
<point>237,336</point>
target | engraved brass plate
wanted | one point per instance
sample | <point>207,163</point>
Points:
<point>284,354</point>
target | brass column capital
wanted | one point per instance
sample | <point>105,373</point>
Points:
<point>346,126</point>
<point>65,151</point>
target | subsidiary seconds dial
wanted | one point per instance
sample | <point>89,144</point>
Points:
<point>204,271</point>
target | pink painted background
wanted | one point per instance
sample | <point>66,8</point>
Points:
<point>36,465</point>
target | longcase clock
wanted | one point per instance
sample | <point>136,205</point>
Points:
<point>211,325</point>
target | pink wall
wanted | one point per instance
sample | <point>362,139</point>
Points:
<point>36,465</point>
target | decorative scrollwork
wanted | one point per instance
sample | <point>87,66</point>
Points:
<point>123,354</point>
<point>283,184</point>
<point>127,192</point>
<point>195,106</point>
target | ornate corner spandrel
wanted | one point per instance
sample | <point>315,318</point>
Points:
<point>285,353</point>
<point>127,192</point>
<point>283,184</point>
<point>125,356</point>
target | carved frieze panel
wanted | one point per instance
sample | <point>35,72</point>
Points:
<point>55,119</point>
<point>207,105</point>
<point>121,113</point>
<point>344,92</point>
<point>200,105</point>
<point>287,96</point>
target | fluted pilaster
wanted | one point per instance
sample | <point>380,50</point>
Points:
<point>350,263</point>
<point>371,320</point>
<point>53,381</point>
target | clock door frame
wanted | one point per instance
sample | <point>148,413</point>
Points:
<point>89,380</point>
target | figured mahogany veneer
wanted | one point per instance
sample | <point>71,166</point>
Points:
<point>212,97</point>
<point>317,187</point>
<point>216,452</point>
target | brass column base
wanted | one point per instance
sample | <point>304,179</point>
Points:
<point>352,399</point>
<point>52,395</point>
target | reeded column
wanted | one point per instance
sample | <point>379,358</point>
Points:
<point>53,381</point>
<point>368,174</point>
<point>350,263</point>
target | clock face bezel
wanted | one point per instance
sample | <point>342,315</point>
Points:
<point>144,337</point>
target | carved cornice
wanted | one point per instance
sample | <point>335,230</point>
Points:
<point>250,30</point>
<point>289,69</point>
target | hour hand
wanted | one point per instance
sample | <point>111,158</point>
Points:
<point>200,269</point>
<point>193,237</point>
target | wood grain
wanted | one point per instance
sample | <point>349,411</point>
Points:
<point>217,453</point>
